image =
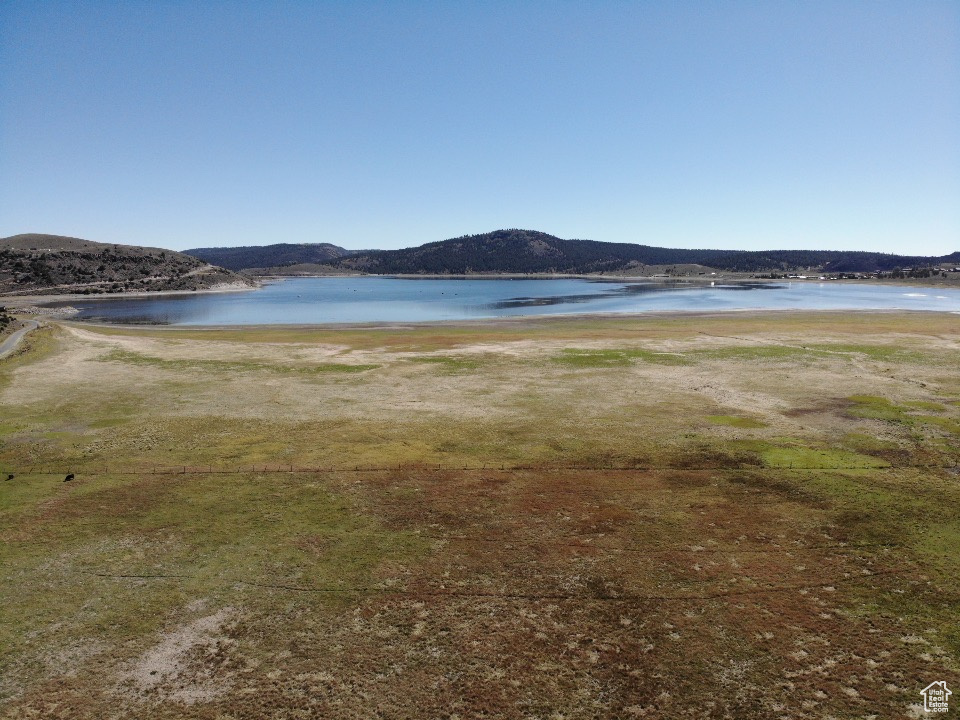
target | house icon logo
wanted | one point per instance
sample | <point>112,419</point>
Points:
<point>936,697</point>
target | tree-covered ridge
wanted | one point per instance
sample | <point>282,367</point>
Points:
<point>268,256</point>
<point>528,251</point>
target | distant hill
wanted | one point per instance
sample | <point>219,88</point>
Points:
<point>529,251</point>
<point>35,263</point>
<point>32,263</point>
<point>269,256</point>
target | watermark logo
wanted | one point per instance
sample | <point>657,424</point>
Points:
<point>936,697</point>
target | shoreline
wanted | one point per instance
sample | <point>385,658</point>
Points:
<point>509,320</point>
<point>21,303</point>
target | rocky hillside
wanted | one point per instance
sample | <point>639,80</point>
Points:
<point>45,264</point>
<point>7,321</point>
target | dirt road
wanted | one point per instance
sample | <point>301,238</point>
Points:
<point>10,344</point>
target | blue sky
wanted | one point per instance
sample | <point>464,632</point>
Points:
<point>772,124</point>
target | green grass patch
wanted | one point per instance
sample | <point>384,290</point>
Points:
<point>875,408</point>
<point>736,421</point>
<point>452,364</point>
<point>948,424</point>
<point>878,408</point>
<point>863,441</point>
<point>914,512</point>
<point>622,357</point>
<point>938,546</point>
<point>925,405</point>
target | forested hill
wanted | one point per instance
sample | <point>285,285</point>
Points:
<point>35,263</point>
<point>268,256</point>
<point>528,251</point>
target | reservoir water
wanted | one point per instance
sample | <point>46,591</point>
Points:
<point>388,299</point>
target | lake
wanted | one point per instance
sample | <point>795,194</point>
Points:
<point>388,299</point>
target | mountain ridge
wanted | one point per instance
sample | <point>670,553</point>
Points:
<point>267,256</point>
<point>531,251</point>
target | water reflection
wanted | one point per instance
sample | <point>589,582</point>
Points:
<point>631,289</point>
<point>384,299</point>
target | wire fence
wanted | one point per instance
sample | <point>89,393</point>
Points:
<point>483,594</point>
<point>451,467</point>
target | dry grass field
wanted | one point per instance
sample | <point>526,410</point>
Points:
<point>734,516</point>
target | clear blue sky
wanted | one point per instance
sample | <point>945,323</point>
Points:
<point>770,124</point>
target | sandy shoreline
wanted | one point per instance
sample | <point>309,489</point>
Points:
<point>23,302</point>
<point>508,321</point>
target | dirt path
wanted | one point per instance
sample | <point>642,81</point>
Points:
<point>10,344</point>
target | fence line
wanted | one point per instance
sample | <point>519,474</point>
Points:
<point>439,467</point>
<point>479,594</point>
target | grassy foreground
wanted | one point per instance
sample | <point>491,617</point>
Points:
<point>746,516</point>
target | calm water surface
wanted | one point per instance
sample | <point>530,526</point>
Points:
<point>384,299</point>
